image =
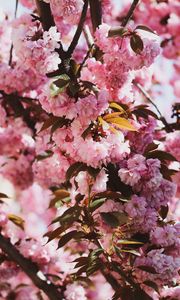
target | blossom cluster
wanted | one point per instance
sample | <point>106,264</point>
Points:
<point>91,166</point>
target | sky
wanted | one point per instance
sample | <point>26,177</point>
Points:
<point>9,5</point>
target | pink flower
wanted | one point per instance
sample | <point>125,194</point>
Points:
<point>136,167</point>
<point>3,218</point>
<point>166,236</point>
<point>172,144</point>
<point>136,207</point>
<point>52,170</point>
<point>165,265</point>
<point>2,116</point>
<point>75,292</point>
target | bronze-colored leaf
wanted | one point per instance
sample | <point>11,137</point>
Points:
<point>18,221</point>
<point>136,43</point>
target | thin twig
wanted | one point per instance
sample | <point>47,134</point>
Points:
<point>112,265</point>
<point>88,36</point>
<point>149,99</point>
<point>90,51</point>
<point>11,49</point>
<point>78,30</point>
<point>130,13</point>
<point>31,269</point>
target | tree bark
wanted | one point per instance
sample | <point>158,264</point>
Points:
<point>30,269</point>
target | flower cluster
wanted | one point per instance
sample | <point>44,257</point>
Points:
<point>90,168</point>
<point>34,48</point>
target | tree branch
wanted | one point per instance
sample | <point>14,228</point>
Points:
<point>11,49</point>
<point>78,30</point>
<point>149,99</point>
<point>17,107</point>
<point>30,269</point>
<point>130,13</point>
<point>96,13</point>
<point>45,14</point>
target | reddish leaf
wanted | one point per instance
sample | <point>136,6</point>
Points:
<point>136,43</point>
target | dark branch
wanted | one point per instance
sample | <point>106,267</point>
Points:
<point>79,30</point>
<point>130,13</point>
<point>96,13</point>
<point>47,21</point>
<point>15,104</point>
<point>45,14</point>
<point>30,269</point>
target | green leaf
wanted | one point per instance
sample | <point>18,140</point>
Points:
<point>136,43</point>
<point>145,28</point>
<point>131,251</point>
<point>110,195</point>
<point>97,203</point>
<point>54,90</point>
<point>93,268</point>
<point>95,253</point>
<point>129,242</point>
<point>18,221</point>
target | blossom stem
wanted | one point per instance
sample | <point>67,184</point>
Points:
<point>130,13</point>
<point>30,269</point>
